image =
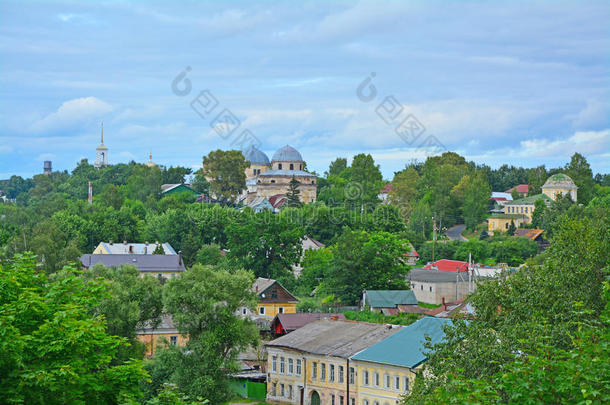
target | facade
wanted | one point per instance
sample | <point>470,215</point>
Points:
<point>110,248</point>
<point>433,286</point>
<point>47,167</point>
<point>152,337</point>
<point>560,184</point>
<point>311,365</point>
<point>266,178</point>
<point>386,370</point>
<point>273,299</point>
<point>159,266</point>
<point>101,153</point>
<point>306,244</point>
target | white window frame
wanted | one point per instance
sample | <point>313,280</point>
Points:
<point>299,365</point>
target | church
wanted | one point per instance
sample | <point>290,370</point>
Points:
<point>266,178</point>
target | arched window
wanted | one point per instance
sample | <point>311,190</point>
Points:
<point>291,166</point>
<point>279,166</point>
<point>313,182</point>
<point>273,181</point>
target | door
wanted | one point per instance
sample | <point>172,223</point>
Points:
<point>315,398</point>
<point>302,395</point>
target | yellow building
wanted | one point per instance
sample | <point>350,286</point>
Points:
<point>153,337</point>
<point>560,184</point>
<point>311,365</point>
<point>386,370</point>
<point>273,299</point>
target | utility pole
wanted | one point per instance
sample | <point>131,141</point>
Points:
<point>433,236</point>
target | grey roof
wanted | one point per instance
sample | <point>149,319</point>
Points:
<point>144,263</point>
<point>256,157</point>
<point>136,248</point>
<point>295,321</point>
<point>334,337</point>
<point>437,276</point>
<point>261,284</point>
<point>287,154</point>
<point>389,298</point>
<point>406,347</point>
<point>167,324</point>
<point>288,173</point>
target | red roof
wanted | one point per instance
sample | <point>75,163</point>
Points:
<point>412,253</point>
<point>521,188</point>
<point>386,189</point>
<point>499,198</point>
<point>449,265</point>
<point>277,200</point>
<point>285,323</point>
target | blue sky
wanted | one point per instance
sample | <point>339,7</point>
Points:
<point>524,83</point>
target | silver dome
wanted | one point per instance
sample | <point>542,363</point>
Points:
<point>287,154</point>
<point>256,157</point>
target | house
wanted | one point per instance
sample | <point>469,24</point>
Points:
<point>273,299</point>
<point>110,248</point>
<point>459,308</point>
<point>286,323</point>
<point>311,365</point>
<point>151,337</point>
<point>501,198</point>
<point>448,265</point>
<point>168,189</point>
<point>518,211</point>
<point>388,301</point>
<point>307,243</point>
<point>278,201</point>
<point>560,184</point>
<point>412,257</point>
<point>385,192</point>
<point>260,204</point>
<point>387,369</point>
<point>159,266</point>
<point>432,286</point>
<point>533,234</point>
<point>522,189</point>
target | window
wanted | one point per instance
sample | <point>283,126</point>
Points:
<point>353,401</point>
<point>331,373</point>
<point>322,371</point>
<point>365,378</point>
<point>340,374</point>
<point>405,385</point>
<point>244,311</point>
<point>421,287</point>
<point>274,389</point>
<point>173,340</point>
<point>280,310</point>
<point>291,166</point>
<point>281,365</point>
<point>396,382</point>
<point>341,399</point>
<point>274,364</point>
<point>298,366</point>
<point>506,225</point>
<point>352,373</point>
<point>281,390</point>
<point>314,370</point>
<point>376,381</point>
<point>279,166</point>
<point>376,403</point>
<point>332,399</point>
<point>365,402</point>
<point>430,288</point>
<point>290,366</point>
<point>261,310</point>
<point>386,381</point>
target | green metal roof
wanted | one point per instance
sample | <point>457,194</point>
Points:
<point>530,200</point>
<point>405,348</point>
<point>508,216</point>
<point>390,298</point>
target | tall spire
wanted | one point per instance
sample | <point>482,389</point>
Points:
<point>102,132</point>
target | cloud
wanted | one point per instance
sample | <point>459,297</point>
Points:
<point>596,113</point>
<point>72,114</point>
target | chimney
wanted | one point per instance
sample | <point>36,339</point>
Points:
<point>180,257</point>
<point>124,242</point>
<point>256,288</point>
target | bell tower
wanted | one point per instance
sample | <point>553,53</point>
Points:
<point>101,153</point>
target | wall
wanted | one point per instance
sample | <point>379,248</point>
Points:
<point>554,192</point>
<point>440,290</point>
<point>502,224</point>
<point>308,191</point>
<point>382,394</point>
<point>324,386</point>
<point>272,308</point>
<point>522,209</point>
<point>151,340</point>
<point>288,378</point>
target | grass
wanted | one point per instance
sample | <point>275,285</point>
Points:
<point>378,317</point>
<point>468,234</point>
<point>426,305</point>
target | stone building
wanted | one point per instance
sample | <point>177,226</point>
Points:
<point>560,184</point>
<point>101,153</point>
<point>266,178</point>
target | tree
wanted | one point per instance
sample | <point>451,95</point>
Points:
<point>316,266</point>
<point>144,182</point>
<point>365,173</point>
<point>54,348</point>
<point>537,215</point>
<point>365,260</point>
<point>511,228</point>
<point>200,184</point>
<point>337,167</point>
<point>292,197</point>
<point>209,255</point>
<point>580,172</point>
<point>203,303</point>
<point>175,175</point>
<point>404,190</point>
<point>226,171</point>
<point>473,192</point>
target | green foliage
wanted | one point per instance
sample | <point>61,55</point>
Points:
<point>292,196</point>
<point>209,255</point>
<point>159,249</point>
<point>579,170</point>
<point>511,229</point>
<point>316,267</point>
<point>226,169</point>
<point>54,349</point>
<point>378,317</point>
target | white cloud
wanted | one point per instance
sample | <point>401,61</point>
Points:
<point>71,114</point>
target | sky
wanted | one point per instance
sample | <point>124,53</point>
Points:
<point>521,83</point>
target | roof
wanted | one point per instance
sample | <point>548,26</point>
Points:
<point>334,338</point>
<point>507,216</point>
<point>263,284</point>
<point>435,276</point>
<point>260,202</point>
<point>448,265</point>
<point>389,298</point>
<point>256,157</point>
<point>277,200</point>
<point>559,180</point>
<point>531,234</point>
<point>287,173</point>
<point>521,188</point>
<point>292,322</point>
<point>386,189</point>
<point>136,248</point>
<point>167,188</point>
<point>412,253</point>
<point>144,263</point>
<point>405,348</point>
<point>167,324</point>
<point>498,195</point>
<point>287,154</point>
<point>529,200</point>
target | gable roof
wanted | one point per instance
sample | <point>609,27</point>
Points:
<point>531,234</point>
<point>448,265</point>
<point>435,276</point>
<point>334,338</point>
<point>521,188</point>
<point>389,298</point>
<point>144,263</point>
<point>405,348</point>
<point>263,284</point>
<point>180,187</point>
<point>291,322</point>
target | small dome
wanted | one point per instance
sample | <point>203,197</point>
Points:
<point>256,157</point>
<point>287,154</point>
<point>559,180</point>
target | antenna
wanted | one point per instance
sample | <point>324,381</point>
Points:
<point>102,132</point>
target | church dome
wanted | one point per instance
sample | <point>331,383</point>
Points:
<point>256,157</point>
<point>560,180</point>
<point>287,154</point>
<point>150,162</point>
